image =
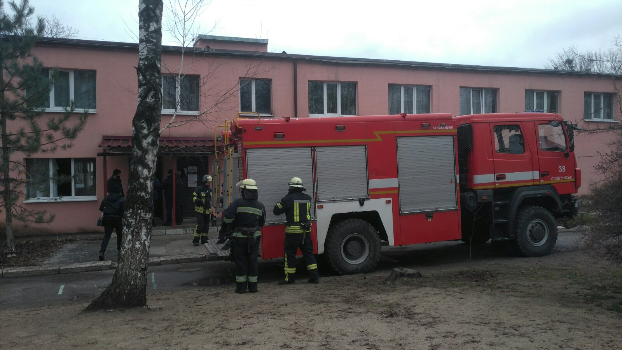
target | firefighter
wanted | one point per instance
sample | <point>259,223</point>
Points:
<point>297,208</point>
<point>246,216</point>
<point>202,198</point>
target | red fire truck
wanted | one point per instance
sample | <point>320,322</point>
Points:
<point>407,179</point>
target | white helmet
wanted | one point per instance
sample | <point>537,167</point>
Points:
<point>248,184</point>
<point>295,182</point>
<point>206,178</point>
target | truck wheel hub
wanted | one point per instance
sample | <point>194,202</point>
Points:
<point>537,232</point>
<point>354,249</point>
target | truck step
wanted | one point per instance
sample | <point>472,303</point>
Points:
<point>214,251</point>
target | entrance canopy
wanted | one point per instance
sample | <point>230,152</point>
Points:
<point>122,145</point>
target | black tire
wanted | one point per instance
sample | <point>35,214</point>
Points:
<point>536,232</point>
<point>352,246</point>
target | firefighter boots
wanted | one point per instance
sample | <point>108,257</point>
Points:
<point>314,277</point>
<point>240,287</point>
<point>204,238</point>
<point>252,287</point>
<point>291,281</point>
<point>195,240</point>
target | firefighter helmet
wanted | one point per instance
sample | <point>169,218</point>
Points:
<point>248,184</point>
<point>295,182</point>
<point>206,178</point>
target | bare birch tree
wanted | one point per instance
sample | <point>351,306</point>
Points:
<point>128,288</point>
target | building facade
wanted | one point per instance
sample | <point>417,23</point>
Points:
<point>224,76</point>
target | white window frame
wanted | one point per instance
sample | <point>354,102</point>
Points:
<point>325,100</point>
<point>53,108</point>
<point>403,100</point>
<point>253,101</point>
<point>602,103</point>
<point>73,197</point>
<point>177,111</point>
<point>482,100</point>
<point>547,102</point>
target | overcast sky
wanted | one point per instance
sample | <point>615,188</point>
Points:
<point>509,33</point>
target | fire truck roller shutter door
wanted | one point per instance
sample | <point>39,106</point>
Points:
<point>426,173</point>
<point>333,163</point>
<point>273,168</point>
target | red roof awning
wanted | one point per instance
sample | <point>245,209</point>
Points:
<point>167,144</point>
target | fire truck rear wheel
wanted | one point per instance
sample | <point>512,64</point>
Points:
<point>352,246</point>
<point>536,232</point>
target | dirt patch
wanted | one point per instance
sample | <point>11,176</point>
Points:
<point>30,253</point>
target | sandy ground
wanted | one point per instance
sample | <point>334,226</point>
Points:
<point>568,300</point>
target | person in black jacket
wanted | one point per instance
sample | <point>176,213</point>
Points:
<point>202,198</point>
<point>113,207</point>
<point>115,179</point>
<point>246,216</point>
<point>297,208</point>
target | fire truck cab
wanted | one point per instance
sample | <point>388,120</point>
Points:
<point>406,179</point>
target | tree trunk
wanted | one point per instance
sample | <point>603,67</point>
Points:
<point>6,180</point>
<point>129,284</point>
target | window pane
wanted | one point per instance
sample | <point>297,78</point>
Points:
<point>189,93</point>
<point>38,178</point>
<point>423,99</point>
<point>465,101</point>
<point>331,98</point>
<point>540,100</point>
<point>168,92</point>
<point>263,97</point>
<point>587,106</point>
<point>246,95</point>
<point>509,139</point>
<point>61,89</point>
<point>316,97</point>
<point>84,177</point>
<point>348,98</point>
<point>395,97</point>
<point>553,102</point>
<point>529,100</point>
<point>598,106</point>
<point>84,89</point>
<point>38,92</point>
<point>607,106</point>
<point>409,100</point>
<point>552,138</point>
<point>476,101</point>
<point>61,168</point>
<point>490,100</point>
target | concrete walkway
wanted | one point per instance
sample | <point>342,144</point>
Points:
<point>168,246</point>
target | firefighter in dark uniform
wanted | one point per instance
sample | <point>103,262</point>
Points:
<point>245,217</point>
<point>297,208</point>
<point>202,198</point>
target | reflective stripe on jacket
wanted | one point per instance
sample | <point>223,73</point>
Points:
<point>202,199</point>
<point>297,208</point>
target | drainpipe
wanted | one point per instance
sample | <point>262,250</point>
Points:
<point>105,177</point>
<point>295,89</point>
<point>174,220</point>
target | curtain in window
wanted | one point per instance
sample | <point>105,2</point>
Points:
<point>529,100</point>
<point>598,106</point>
<point>189,93</point>
<point>246,95</point>
<point>409,100</point>
<point>263,93</point>
<point>61,168</point>
<point>540,106</point>
<point>348,99</point>
<point>476,101</point>
<point>84,177</point>
<point>395,98</point>
<point>38,178</point>
<point>38,92</point>
<point>61,89</point>
<point>423,99</point>
<point>607,106</point>
<point>552,102</point>
<point>84,89</point>
<point>331,98</point>
<point>490,100</point>
<point>587,106</point>
<point>316,97</point>
<point>465,101</point>
<point>169,92</point>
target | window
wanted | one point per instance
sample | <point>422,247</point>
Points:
<point>180,95</point>
<point>476,100</point>
<point>552,138</point>
<point>56,178</point>
<point>597,106</point>
<point>545,101</point>
<point>77,86</point>
<point>256,95</point>
<point>331,99</point>
<point>509,139</point>
<point>409,99</point>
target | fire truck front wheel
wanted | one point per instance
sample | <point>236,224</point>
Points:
<point>536,232</point>
<point>352,246</point>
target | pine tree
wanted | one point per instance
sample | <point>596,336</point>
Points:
<point>24,90</point>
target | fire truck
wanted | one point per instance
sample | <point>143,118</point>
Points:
<point>398,180</point>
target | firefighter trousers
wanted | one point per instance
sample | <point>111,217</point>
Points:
<point>293,241</point>
<point>245,255</point>
<point>202,226</point>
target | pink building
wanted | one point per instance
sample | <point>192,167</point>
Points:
<point>224,76</point>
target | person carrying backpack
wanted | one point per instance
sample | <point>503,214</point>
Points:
<point>113,207</point>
